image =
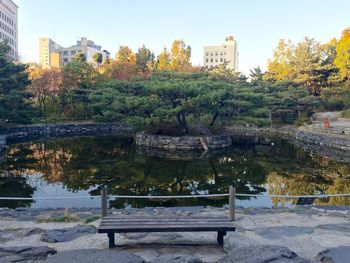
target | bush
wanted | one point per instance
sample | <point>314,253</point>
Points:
<point>302,119</point>
<point>346,113</point>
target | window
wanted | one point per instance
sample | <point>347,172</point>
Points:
<point>206,60</point>
<point>73,52</point>
<point>211,54</point>
<point>207,54</point>
<point>65,53</point>
<point>221,54</point>
<point>220,59</point>
<point>211,60</point>
<point>65,60</point>
<point>216,60</point>
<point>216,54</point>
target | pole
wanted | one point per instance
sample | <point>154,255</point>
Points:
<point>232,203</point>
<point>103,202</point>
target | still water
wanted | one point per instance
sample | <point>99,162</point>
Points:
<point>80,166</point>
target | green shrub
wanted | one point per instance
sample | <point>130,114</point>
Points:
<point>302,119</point>
<point>346,113</point>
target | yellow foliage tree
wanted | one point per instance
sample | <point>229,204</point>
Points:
<point>163,60</point>
<point>125,56</point>
<point>180,55</point>
<point>342,60</point>
<point>279,67</point>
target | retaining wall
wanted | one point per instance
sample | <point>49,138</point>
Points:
<point>183,142</point>
<point>324,139</point>
<point>39,131</point>
<point>2,146</point>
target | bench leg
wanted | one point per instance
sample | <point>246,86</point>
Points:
<point>220,239</point>
<point>111,240</point>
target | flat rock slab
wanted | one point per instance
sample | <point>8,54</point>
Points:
<point>25,254</point>
<point>9,234</point>
<point>93,256</point>
<point>66,234</point>
<point>177,258</point>
<point>282,231</point>
<point>335,255</point>
<point>262,254</point>
<point>236,240</point>
<point>345,227</point>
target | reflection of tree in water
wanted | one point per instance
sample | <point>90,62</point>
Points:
<point>316,175</point>
<point>15,186</point>
<point>85,163</point>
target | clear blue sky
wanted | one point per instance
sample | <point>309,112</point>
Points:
<point>256,24</point>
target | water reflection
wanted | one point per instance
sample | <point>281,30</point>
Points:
<point>84,164</point>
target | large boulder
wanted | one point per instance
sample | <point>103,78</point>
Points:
<point>25,254</point>
<point>66,234</point>
<point>93,256</point>
<point>262,254</point>
<point>177,258</point>
<point>334,255</point>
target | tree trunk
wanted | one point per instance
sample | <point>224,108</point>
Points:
<point>214,119</point>
<point>181,118</point>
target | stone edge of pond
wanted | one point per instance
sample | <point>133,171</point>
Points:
<point>32,214</point>
<point>200,142</point>
<point>329,144</point>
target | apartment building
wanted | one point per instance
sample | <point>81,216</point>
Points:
<point>223,54</point>
<point>54,55</point>
<point>9,26</point>
<point>47,57</point>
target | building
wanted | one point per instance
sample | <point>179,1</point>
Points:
<point>225,54</point>
<point>9,26</point>
<point>53,55</point>
<point>46,48</point>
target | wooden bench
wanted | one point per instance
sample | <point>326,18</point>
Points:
<point>114,224</point>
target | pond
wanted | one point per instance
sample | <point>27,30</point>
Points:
<point>80,166</point>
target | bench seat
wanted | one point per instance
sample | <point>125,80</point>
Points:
<point>116,224</point>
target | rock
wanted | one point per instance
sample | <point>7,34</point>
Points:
<point>236,240</point>
<point>282,231</point>
<point>262,254</point>
<point>334,255</point>
<point>67,234</point>
<point>9,234</point>
<point>177,258</point>
<point>25,254</point>
<point>343,227</point>
<point>93,256</point>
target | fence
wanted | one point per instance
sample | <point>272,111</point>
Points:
<point>232,197</point>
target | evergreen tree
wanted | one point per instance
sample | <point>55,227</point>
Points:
<point>14,107</point>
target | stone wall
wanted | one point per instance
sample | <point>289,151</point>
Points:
<point>2,146</point>
<point>326,140</point>
<point>39,131</point>
<point>183,142</point>
<point>324,143</point>
<point>284,132</point>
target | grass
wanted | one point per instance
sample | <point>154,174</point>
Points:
<point>91,219</point>
<point>68,216</point>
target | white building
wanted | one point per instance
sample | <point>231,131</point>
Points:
<point>53,55</point>
<point>214,56</point>
<point>85,46</point>
<point>9,26</point>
